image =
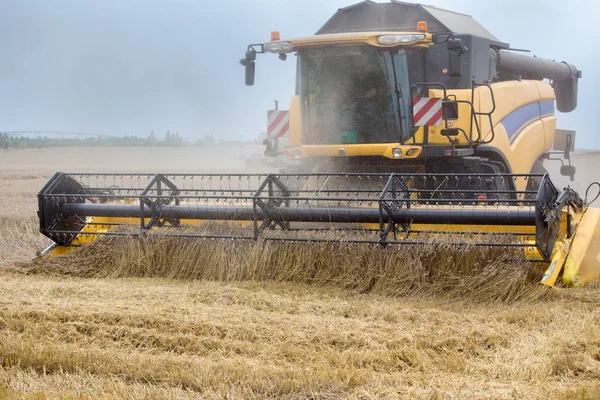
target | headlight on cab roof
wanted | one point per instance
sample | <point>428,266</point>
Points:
<point>278,47</point>
<point>388,40</point>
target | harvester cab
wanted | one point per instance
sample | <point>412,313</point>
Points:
<point>398,87</point>
<point>411,123</point>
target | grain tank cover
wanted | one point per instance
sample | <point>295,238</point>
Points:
<point>398,16</point>
<point>459,23</point>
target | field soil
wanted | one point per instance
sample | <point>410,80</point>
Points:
<point>67,335</point>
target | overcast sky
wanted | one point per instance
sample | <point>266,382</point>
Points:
<point>132,66</point>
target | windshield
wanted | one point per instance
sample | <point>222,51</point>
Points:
<point>346,97</point>
<point>356,94</point>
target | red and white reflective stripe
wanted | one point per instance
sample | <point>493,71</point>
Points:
<point>278,123</point>
<point>427,111</point>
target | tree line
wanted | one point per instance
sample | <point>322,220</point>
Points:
<point>20,141</point>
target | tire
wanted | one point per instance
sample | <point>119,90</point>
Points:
<point>536,168</point>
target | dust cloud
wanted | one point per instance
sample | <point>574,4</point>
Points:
<point>586,163</point>
<point>223,159</point>
<point>247,158</point>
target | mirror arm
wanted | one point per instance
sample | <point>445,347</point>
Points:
<point>258,48</point>
<point>567,154</point>
<point>441,38</point>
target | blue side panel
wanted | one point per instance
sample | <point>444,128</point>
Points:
<point>547,107</point>
<point>516,119</point>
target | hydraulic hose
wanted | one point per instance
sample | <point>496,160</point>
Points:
<point>587,203</point>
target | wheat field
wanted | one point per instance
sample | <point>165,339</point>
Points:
<point>154,319</point>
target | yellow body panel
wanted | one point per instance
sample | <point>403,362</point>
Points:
<point>584,255</point>
<point>355,38</point>
<point>533,136</point>
<point>356,150</point>
<point>555,267</point>
<point>295,132</point>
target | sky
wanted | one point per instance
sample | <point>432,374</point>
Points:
<point>129,67</point>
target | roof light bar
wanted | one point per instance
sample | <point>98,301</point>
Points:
<point>278,47</point>
<point>390,40</point>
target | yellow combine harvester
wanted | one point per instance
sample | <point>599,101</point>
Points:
<point>408,122</point>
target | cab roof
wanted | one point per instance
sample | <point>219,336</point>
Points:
<point>399,16</point>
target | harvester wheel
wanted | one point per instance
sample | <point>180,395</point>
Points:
<point>534,183</point>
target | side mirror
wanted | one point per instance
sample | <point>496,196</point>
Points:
<point>454,44</point>
<point>250,55</point>
<point>564,140</point>
<point>568,170</point>
<point>455,64</point>
<point>250,71</point>
<point>455,53</point>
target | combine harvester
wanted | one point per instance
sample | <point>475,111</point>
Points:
<point>410,123</point>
